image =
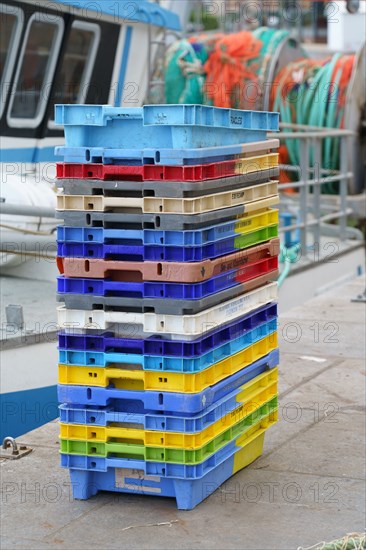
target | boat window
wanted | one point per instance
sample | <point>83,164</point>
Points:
<point>11,28</point>
<point>35,71</point>
<point>77,65</point>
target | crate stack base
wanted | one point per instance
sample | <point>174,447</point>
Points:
<point>168,257</point>
<point>187,492</point>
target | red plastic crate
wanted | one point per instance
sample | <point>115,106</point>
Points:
<point>147,172</point>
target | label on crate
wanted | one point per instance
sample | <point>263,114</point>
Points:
<point>123,477</point>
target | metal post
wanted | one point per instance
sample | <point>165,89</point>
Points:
<point>299,21</point>
<point>304,191</point>
<point>317,145</point>
<point>261,15</point>
<point>343,186</point>
<point>315,19</point>
<point>149,60</point>
<point>200,15</point>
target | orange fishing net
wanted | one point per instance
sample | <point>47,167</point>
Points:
<point>228,70</point>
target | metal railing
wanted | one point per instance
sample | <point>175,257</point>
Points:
<point>315,212</point>
<point>314,209</point>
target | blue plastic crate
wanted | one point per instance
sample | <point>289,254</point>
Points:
<point>195,454</point>
<point>187,492</point>
<point>250,428</point>
<point>267,416</point>
<point>160,305</point>
<point>138,157</point>
<point>178,291</point>
<point>186,486</point>
<point>170,402</point>
<point>149,252</point>
<point>266,413</point>
<point>165,126</point>
<point>146,252</point>
<point>166,363</point>
<point>104,416</point>
<point>167,115</point>
<point>167,157</point>
<point>108,342</point>
<point>157,237</point>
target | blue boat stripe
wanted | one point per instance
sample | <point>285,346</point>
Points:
<point>42,154</point>
<point>26,410</point>
<point>123,69</point>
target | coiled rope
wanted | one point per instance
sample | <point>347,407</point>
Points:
<point>313,92</point>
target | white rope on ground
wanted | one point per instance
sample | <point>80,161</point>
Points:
<point>352,541</point>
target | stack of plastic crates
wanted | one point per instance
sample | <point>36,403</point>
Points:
<point>168,256</point>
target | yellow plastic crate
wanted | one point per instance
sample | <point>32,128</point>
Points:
<point>168,381</point>
<point>255,393</point>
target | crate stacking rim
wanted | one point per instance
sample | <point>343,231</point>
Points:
<point>191,423</point>
<point>251,398</point>
<point>168,126</point>
<point>150,402</point>
<point>171,157</point>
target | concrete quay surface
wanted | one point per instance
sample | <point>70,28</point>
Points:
<point>308,486</point>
